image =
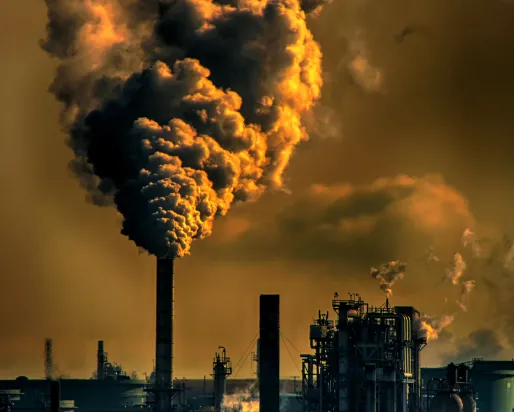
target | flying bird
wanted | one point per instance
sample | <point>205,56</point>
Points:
<point>402,35</point>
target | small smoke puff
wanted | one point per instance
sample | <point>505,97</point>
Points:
<point>429,256</point>
<point>364,74</point>
<point>477,245</point>
<point>466,288</point>
<point>508,262</point>
<point>456,270</point>
<point>430,327</point>
<point>387,274</point>
<point>175,143</point>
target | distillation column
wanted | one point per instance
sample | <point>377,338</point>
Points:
<point>221,368</point>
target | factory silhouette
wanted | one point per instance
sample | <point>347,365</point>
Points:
<point>366,359</point>
<point>173,127</point>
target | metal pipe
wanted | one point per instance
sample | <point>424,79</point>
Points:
<point>321,383</point>
<point>269,351</point>
<point>417,374</point>
<point>164,335</point>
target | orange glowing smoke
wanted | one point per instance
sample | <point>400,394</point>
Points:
<point>429,327</point>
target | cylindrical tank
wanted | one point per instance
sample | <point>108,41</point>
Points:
<point>494,384</point>
<point>468,402</point>
<point>446,401</point>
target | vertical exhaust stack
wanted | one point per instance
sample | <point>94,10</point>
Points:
<point>55,396</point>
<point>49,359</point>
<point>100,361</point>
<point>269,348</point>
<point>164,336</point>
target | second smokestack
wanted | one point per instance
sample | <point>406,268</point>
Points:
<point>55,396</point>
<point>164,335</point>
<point>269,353</point>
<point>100,361</point>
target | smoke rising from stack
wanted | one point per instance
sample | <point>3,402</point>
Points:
<point>430,327</point>
<point>387,274</point>
<point>176,115</point>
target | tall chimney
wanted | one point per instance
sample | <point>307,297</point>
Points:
<point>100,361</point>
<point>164,336</point>
<point>269,348</point>
<point>49,359</point>
<point>55,396</point>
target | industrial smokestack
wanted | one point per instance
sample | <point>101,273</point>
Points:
<point>49,359</point>
<point>100,361</point>
<point>55,396</point>
<point>269,359</point>
<point>164,336</point>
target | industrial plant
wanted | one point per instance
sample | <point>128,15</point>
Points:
<point>366,359</point>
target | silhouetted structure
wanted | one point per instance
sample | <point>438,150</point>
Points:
<point>162,389</point>
<point>49,359</point>
<point>269,353</point>
<point>221,369</point>
<point>55,396</point>
<point>100,361</point>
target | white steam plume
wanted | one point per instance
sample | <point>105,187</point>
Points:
<point>177,109</point>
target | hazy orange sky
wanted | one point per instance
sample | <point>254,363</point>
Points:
<point>438,103</point>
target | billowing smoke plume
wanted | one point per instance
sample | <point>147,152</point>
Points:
<point>175,114</point>
<point>430,327</point>
<point>387,274</point>
<point>456,269</point>
<point>466,288</point>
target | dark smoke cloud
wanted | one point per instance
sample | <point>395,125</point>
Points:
<point>360,224</point>
<point>177,115</point>
<point>481,343</point>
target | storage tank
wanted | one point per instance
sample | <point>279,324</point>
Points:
<point>494,385</point>
<point>468,402</point>
<point>446,401</point>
